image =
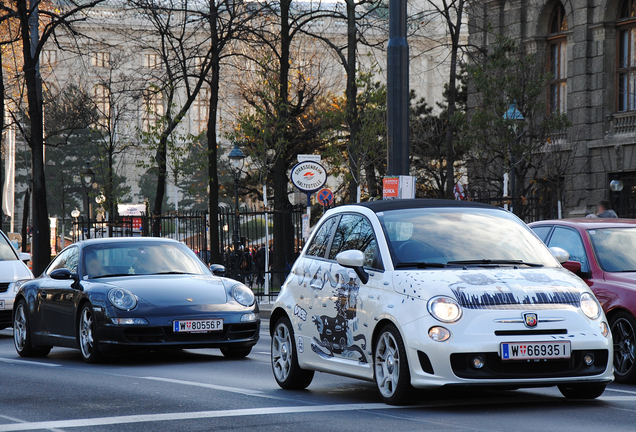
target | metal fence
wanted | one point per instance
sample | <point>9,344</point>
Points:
<point>529,209</point>
<point>246,264</point>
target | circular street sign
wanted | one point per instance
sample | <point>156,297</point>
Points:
<point>325,197</point>
<point>309,176</point>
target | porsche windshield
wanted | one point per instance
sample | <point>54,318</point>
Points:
<point>138,258</point>
<point>461,236</point>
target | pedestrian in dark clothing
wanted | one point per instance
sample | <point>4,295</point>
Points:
<point>604,210</point>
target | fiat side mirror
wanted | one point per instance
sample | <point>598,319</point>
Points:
<point>24,257</point>
<point>217,269</point>
<point>560,254</point>
<point>354,259</point>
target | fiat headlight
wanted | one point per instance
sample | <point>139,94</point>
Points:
<point>444,309</point>
<point>243,295</point>
<point>590,306</point>
<point>122,299</point>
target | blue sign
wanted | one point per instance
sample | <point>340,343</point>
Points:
<point>325,197</point>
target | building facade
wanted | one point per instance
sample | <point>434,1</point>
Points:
<point>589,49</point>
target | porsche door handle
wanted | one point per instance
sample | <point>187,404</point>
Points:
<point>43,294</point>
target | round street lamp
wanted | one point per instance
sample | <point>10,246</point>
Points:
<point>616,185</point>
<point>75,213</point>
<point>87,174</point>
<point>237,160</point>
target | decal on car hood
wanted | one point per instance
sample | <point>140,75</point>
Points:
<point>494,288</point>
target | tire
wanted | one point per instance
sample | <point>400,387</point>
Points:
<point>623,328</point>
<point>287,373</point>
<point>22,333</point>
<point>391,368</point>
<point>591,391</point>
<point>236,353</point>
<point>86,335</point>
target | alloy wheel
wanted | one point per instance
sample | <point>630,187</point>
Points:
<point>20,328</point>
<point>387,364</point>
<point>281,352</point>
<point>624,346</point>
<point>86,332</point>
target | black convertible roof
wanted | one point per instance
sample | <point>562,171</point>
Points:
<point>399,204</point>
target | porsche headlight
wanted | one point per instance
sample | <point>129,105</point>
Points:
<point>122,299</point>
<point>444,309</point>
<point>590,306</point>
<point>243,295</point>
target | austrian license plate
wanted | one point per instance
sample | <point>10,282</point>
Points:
<point>535,350</point>
<point>197,326</point>
<point>1,304</point>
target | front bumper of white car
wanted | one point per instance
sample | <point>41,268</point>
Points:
<point>480,333</point>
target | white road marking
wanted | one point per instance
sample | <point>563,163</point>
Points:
<point>28,362</point>
<point>617,398</point>
<point>197,415</point>
<point>17,420</point>
<point>210,386</point>
<point>620,391</point>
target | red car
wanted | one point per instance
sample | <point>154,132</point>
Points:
<point>603,253</point>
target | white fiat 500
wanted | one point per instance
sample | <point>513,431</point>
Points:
<point>430,293</point>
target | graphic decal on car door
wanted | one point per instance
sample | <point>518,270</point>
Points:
<point>336,333</point>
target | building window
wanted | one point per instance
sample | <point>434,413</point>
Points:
<point>153,109</point>
<point>48,58</point>
<point>100,59</point>
<point>101,96</point>
<point>200,110</point>
<point>626,70</point>
<point>151,61</point>
<point>557,60</point>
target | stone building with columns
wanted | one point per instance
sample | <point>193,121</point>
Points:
<point>590,48</point>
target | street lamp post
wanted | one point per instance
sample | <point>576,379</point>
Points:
<point>616,186</point>
<point>237,159</point>
<point>87,180</point>
<point>515,115</point>
<point>75,214</point>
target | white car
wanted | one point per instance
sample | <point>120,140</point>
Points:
<point>431,293</point>
<point>12,269</point>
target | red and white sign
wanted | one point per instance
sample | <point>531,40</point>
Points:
<point>391,187</point>
<point>309,176</point>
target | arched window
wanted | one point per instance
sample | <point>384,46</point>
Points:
<point>557,60</point>
<point>626,68</point>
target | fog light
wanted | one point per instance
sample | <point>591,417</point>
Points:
<point>588,359</point>
<point>129,321</point>
<point>604,328</point>
<point>478,363</point>
<point>249,317</point>
<point>439,334</point>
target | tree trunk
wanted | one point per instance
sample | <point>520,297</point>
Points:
<point>352,106</point>
<point>213,174</point>
<point>452,98</point>
<point>41,254</point>
<point>283,243</point>
<point>2,125</point>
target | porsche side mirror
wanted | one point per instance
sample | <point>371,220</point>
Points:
<point>217,269</point>
<point>573,266</point>
<point>354,259</point>
<point>64,274</point>
<point>560,254</point>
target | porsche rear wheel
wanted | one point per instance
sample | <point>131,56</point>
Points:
<point>233,352</point>
<point>287,372</point>
<point>591,391</point>
<point>86,335</point>
<point>22,333</point>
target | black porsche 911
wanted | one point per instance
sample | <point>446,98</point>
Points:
<point>107,295</point>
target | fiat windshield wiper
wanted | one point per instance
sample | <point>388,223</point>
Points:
<point>170,272</point>
<point>494,262</point>
<point>421,265</point>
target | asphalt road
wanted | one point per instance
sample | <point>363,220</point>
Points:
<point>200,390</point>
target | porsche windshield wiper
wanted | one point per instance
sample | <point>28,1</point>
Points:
<point>170,272</point>
<point>113,275</point>
<point>494,262</point>
<point>420,264</point>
